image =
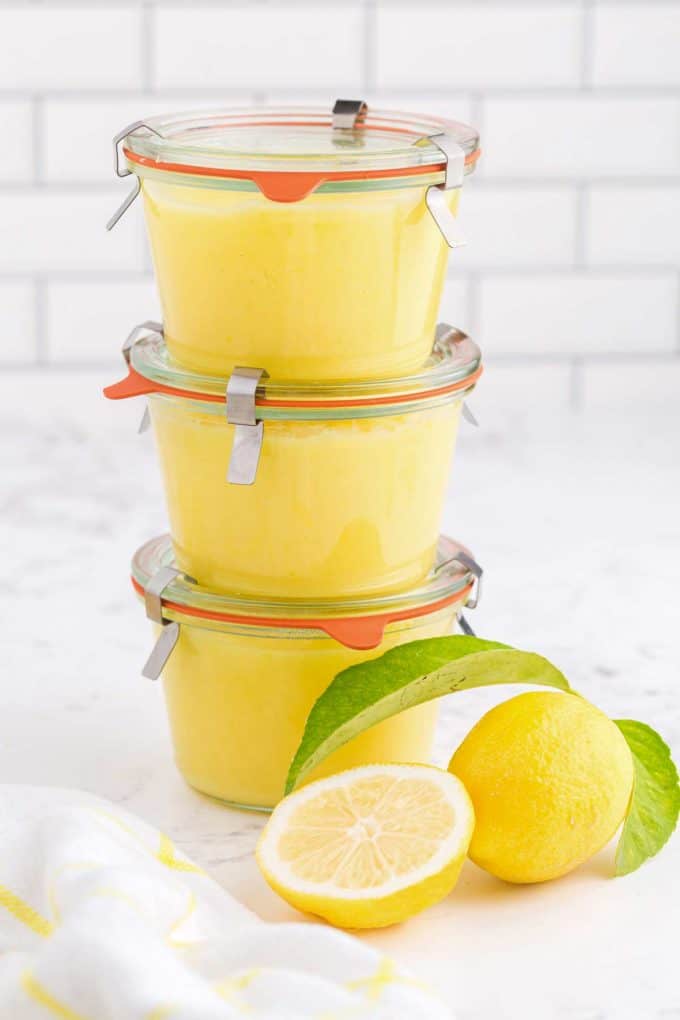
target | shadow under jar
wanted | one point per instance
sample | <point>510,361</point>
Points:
<point>322,491</point>
<point>297,240</point>
<point>241,675</point>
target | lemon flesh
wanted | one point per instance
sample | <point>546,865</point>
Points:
<point>550,777</point>
<point>368,847</point>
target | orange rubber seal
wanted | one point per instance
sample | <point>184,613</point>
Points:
<point>292,185</point>
<point>136,385</point>
<point>361,633</point>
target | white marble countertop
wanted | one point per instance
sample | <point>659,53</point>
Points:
<point>575,518</point>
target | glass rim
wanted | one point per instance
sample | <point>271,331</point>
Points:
<point>289,139</point>
<point>452,369</point>
<point>448,581</point>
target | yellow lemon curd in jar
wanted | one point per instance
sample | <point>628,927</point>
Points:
<point>341,285</point>
<point>338,507</point>
<point>238,699</point>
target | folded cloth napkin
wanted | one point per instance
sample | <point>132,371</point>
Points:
<point>101,918</point>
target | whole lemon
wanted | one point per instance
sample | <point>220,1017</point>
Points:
<point>550,778</point>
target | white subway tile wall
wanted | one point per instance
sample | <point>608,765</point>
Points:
<point>572,267</point>
<point>481,45</point>
<point>70,46</point>
<point>636,45</point>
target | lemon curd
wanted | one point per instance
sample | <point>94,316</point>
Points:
<point>337,507</point>
<point>333,287</point>
<point>284,241</point>
<point>238,702</point>
<point>238,693</point>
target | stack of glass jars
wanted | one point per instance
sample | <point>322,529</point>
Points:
<point>305,408</point>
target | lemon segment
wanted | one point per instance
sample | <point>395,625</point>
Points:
<point>550,777</point>
<point>368,847</point>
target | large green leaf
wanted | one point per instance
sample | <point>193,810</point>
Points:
<point>369,692</point>
<point>655,801</point>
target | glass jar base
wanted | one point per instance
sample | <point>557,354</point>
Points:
<point>234,804</point>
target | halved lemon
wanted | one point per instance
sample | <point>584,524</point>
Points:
<point>368,847</point>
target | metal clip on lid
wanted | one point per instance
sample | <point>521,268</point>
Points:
<point>446,332</point>
<point>167,639</point>
<point>474,568</point>
<point>248,431</point>
<point>435,196</point>
<point>122,171</point>
<point>130,341</point>
<point>347,113</point>
<point>150,326</point>
<point>145,423</point>
<point>469,416</point>
<point>443,331</point>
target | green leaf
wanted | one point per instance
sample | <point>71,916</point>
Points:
<point>655,801</point>
<point>369,692</point>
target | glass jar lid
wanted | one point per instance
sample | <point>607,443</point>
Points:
<point>355,623</point>
<point>453,367</point>
<point>277,147</point>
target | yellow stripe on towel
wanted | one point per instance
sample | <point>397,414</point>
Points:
<point>166,851</point>
<point>385,975</point>
<point>166,855</point>
<point>25,913</point>
<point>35,991</point>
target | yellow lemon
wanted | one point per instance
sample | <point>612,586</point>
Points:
<point>368,847</point>
<point>550,777</point>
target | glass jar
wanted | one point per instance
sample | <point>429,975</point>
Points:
<point>281,239</point>
<point>346,482</point>
<point>241,675</point>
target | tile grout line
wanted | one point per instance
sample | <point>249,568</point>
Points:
<point>528,92</point>
<point>536,270</point>
<point>208,4</point>
<point>40,305</point>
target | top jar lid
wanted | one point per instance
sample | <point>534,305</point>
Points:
<point>285,139</point>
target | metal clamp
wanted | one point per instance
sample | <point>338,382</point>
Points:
<point>469,416</point>
<point>248,431</point>
<point>122,171</point>
<point>150,326</point>
<point>472,567</point>
<point>465,626</point>
<point>168,637</point>
<point>468,349</point>
<point>145,423</point>
<point>347,113</point>
<point>130,341</point>
<point>435,196</point>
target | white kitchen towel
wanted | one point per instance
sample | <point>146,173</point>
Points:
<point>101,918</point>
